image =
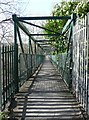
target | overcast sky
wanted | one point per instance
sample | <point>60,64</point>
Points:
<point>38,7</point>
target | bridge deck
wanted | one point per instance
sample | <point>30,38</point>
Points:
<point>48,98</point>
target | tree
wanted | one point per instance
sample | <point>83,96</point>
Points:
<point>82,8</point>
<point>65,9</point>
<point>7,8</point>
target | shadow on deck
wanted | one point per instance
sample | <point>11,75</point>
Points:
<point>47,98</point>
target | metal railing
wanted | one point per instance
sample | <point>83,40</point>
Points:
<point>73,65</point>
<point>81,61</point>
<point>18,62</point>
<point>7,73</point>
<point>27,65</point>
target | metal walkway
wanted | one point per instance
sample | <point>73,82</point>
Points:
<point>47,98</point>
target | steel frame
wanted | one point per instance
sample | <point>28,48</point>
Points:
<point>18,22</point>
<point>35,55</point>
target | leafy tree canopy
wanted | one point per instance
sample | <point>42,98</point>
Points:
<point>65,9</point>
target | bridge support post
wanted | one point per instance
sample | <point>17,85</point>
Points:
<point>16,82</point>
<point>16,68</point>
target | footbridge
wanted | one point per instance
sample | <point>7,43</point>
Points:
<point>37,85</point>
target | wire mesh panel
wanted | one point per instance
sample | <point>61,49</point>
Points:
<point>64,66</point>
<point>28,63</point>
<point>80,61</point>
<point>24,67</point>
<point>62,58</point>
<point>54,59</point>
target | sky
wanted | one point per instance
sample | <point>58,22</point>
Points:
<point>27,8</point>
<point>38,7</point>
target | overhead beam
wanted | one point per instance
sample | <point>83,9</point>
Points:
<point>22,26</point>
<point>44,34</point>
<point>45,18</point>
<point>44,40</point>
<point>45,44</point>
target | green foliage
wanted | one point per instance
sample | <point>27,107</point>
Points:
<point>3,115</point>
<point>82,8</point>
<point>64,9</point>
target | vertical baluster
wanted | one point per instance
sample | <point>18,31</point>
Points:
<point>6,89</point>
<point>8,71</point>
<point>12,70</point>
<point>3,61</point>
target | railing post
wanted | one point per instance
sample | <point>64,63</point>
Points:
<point>0,82</point>
<point>30,52</point>
<point>16,68</point>
<point>15,55</point>
<point>35,56</point>
<point>70,64</point>
<point>73,18</point>
<point>29,45</point>
<point>87,66</point>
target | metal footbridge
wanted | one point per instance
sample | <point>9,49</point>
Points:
<point>37,85</point>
